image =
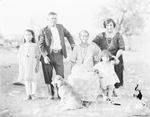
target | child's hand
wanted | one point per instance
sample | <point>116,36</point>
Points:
<point>116,60</point>
<point>113,56</point>
<point>37,68</point>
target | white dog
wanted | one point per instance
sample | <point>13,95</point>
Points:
<point>69,98</point>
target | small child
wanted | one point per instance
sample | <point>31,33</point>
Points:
<point>107,74</point>
<point>30,62</point>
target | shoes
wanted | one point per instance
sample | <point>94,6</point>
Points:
<point>116,93</point>
<point>118,85</point>
<point>28,98</point>
<point>18,83</point>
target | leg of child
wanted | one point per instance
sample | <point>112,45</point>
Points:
<point>110,91</point>
<point>116,92</point>
<point>100,88</point>
<point>28,89</point>
<point>104,93</point>
<point>34,87</point>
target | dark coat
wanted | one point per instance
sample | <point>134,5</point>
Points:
<point>45,39</point>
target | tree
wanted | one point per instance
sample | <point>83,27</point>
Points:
<point>129,14</point>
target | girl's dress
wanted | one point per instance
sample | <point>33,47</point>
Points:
<point>108,74</point>
<point>28,53</point>
<point>84,82</point>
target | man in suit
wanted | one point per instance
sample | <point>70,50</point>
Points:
<point>53,48</point>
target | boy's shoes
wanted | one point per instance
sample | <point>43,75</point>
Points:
<point>18,83</point>
<point>28,98</point>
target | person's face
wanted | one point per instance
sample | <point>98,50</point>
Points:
<point>84,37</point>
<point>110,27</point>
<point>28,36</point>
<point>105,58</point>
<point>52,20</point>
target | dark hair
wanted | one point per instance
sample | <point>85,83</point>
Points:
<point>33,39</point>
<point>109,20</point>
<point>52,13</point>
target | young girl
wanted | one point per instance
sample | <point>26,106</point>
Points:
<point>30,62</point>
<point>107,73</point>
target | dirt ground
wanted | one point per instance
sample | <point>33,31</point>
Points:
<point>12,104</point>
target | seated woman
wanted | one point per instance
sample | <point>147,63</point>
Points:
<point>82,60</point>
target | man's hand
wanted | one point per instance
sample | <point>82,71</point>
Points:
<point>46,60</point>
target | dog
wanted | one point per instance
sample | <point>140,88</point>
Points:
<point>69,99</point>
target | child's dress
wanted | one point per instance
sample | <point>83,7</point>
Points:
<point>28,53</point>
<point>109,77</point>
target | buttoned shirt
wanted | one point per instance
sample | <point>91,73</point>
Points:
<point>56,43</point>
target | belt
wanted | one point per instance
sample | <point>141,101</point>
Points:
<point>56,51</point>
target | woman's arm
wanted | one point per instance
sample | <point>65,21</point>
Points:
<point>121,45</point>
<point>119,53</point>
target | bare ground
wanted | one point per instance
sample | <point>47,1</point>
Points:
<point>12,104</point>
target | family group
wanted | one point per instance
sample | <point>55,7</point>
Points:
<point>96,67</point>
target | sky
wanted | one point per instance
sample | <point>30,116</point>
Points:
<point>75,15</point>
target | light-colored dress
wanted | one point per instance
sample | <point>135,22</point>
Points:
<point>84,82</point>
<point>28,54</point>
<point>109,77</point>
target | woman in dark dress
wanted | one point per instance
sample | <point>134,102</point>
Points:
<point>114,43</point>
